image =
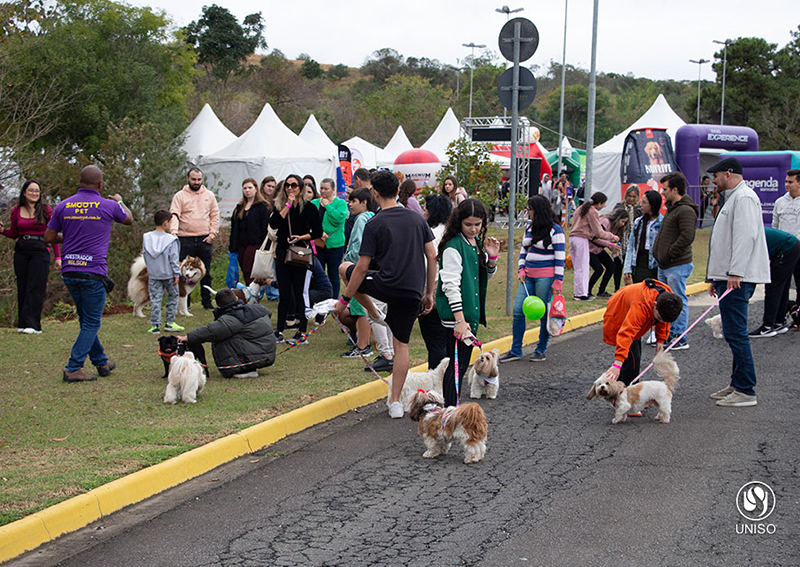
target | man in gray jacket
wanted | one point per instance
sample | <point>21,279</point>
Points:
<point>737,261</point>
<point>241,337</point>
<point>672,248</point>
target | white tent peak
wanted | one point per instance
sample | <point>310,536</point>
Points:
<point>206,134</point>
<point>372,154</point>
<point>396,146</point>
<point>448,130</point>
<point>313,133</point>
<point>659,115</point>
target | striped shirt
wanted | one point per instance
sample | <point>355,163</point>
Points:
<point>540,262</point>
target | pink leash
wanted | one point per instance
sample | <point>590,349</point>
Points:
<point>676,341</point>
<point>474,343</point>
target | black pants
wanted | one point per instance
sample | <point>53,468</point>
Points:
<point>631,366</point>
<point>291,283</point>
<point>31,266</point>
<point>435,337</point>
<point>797,283</point>
<point>618,265</point>
<point>195,247</point>
<point>602,265</point>
<point>776,293</point>
<point>464,355</point>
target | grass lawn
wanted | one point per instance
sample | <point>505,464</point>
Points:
<point>58,440</point>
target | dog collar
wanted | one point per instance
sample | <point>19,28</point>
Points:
<point>166,355</point>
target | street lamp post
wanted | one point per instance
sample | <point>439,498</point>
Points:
<point>563,81</point>
<point>508,11</point>
<point>726,43</point>
<point>699,73</point>
<point>472,46</point>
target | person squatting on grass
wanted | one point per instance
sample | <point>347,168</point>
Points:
<point>31,255</point>
<point>82,224</point>
<point>398,240</point>
<point>541,272</point>
<point>161,250</point>
<point>467,259</point>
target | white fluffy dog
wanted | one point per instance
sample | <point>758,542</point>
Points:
<point>192,271</point>
<point>428,380</point>
<point>483,376</point>
<point>440,426</point>
<point>186,379</point>
<point>716,326</point>
<point>635,398</point>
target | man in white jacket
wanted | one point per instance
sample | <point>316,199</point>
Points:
<point>737,260</point>
<point>786,216</point>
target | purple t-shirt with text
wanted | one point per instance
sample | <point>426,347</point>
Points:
<point>85,220</point>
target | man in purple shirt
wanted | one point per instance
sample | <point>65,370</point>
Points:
<point>84,223</point>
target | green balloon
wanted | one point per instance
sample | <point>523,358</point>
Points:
<point>533,308</point>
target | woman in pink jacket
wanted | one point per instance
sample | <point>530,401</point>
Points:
<point>586,227</point>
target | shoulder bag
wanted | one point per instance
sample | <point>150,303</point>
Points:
<point>298,255</point>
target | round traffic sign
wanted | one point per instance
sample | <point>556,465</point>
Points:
<point>528,39</point>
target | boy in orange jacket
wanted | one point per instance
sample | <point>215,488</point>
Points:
<point>629,315</point>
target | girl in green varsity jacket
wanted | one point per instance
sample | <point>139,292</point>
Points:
<point>466,262</point>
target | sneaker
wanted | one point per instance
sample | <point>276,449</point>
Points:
<point>356,352</point>
<point>20,330</point>
<point>509,357</point>
<point>153,330</point>
<point>763,331</point>
<point>583,297</point>
<point>651,340</point>
<point>379,320</point>
<point>173,327</point>
<point>78,376</point>
<point>106,368</point>
<point>299,338</point>
<point>31,331</point>
<point>737,399</point>
<point>722,393</point>
<point>252,374</point>
<point>537,357</point>
<point>604,295</point>
<point>381,364</point>
<point>681,345</point>
<point>780,329</point>
<point>396,410</point>
<point>279,337</point>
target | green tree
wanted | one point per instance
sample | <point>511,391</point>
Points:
<point>337,72</point>
<point>384,63</point>
<point>310,69</point>
<point>576,105</point>
<point>470,163</point>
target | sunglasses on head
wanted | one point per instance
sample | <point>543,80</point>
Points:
<point>292,185</point>
<point>309,184</point>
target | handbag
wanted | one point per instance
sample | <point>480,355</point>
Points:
<point>297,255</point>
<point>264,261</point>
<point>557,316</point>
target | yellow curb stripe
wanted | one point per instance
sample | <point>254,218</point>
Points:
<point>71,515</point>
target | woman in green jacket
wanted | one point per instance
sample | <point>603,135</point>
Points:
<point>330,248</point>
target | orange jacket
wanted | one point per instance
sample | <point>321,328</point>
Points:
<point>629,316</point>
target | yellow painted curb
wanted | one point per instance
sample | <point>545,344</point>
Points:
<point>34,530</point>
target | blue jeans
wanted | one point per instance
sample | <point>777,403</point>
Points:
<point>90,299</point>
<point>734,328</point>
<point>675,277</point>
<point>540,287</point>
<point>330,258</point>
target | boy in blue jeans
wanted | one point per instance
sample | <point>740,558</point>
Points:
<point>160,250</point>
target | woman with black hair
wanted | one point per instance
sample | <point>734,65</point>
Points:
<point>31,255</point>
<point>540,272</point>
<point>586,227</point>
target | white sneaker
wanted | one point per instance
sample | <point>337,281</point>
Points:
<point>722,393</point>
<point>651,340</point>
<point>31,331</point>
<point>379,320</point>
<point>20,330</point>
<point>737,399</point>
<point>395,410</point>
<point>252,374</point>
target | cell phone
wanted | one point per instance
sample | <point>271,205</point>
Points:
<point>293,240</point>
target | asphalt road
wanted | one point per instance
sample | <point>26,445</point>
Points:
<point>559,485</point>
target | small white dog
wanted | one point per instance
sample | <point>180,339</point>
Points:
<point>186,378</point>
<point>483,376</point>
<point>440,426</point>
<point>633,399</point>
<point>428,380</point>
<point>716,326</point>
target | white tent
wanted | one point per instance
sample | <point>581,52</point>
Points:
<point>370,153</point>
<point>448,130</point>
<point>608,156</point>
<point>268,147</point>
<point>313,133</point>
<point>205,135</point>
<point>396,146</point>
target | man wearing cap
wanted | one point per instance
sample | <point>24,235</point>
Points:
<point>737,261</point>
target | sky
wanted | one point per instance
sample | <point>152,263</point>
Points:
<point>653,39</point>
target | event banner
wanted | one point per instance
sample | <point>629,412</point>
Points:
<point>344,173</point>
<point>646,158</point>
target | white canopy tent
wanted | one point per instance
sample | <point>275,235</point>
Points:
<point>370,153</point>
<point>448,130</point>
<point>205,135</point>
<point>268,147</point>
<point>607,156</point>
<point>313,133</point>
<point>396,146</point>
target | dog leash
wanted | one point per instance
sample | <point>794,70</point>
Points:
<point>676,341</point>
<point>305,336</point>
<point>364,358</point>
<point>473,343</point>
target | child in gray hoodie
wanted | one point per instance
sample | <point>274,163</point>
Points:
<point>160,250</point>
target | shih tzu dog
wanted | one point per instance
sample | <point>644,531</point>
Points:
<point>429,380</point>
<point>483,377</point>
<point>635,398</point>
<point>716,325</point>
<point>440,426</point>
<point>186,377</point>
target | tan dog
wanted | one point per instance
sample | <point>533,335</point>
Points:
<point>483,376</point>
<point>192,271</point>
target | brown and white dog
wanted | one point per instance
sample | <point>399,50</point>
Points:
<point>192,271</point>
<point>439,426</point>
<point>635,398</point>
<point>483,376</point>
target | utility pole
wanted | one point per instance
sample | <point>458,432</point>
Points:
<point>472,46</point>
<point>726,43</point>
<point>592,106</point>
<point>563,82</point>
<point>699,74</point>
